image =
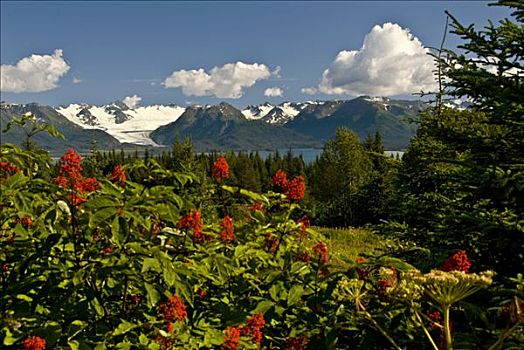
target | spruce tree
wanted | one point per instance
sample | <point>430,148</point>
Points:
<point>462,179</point>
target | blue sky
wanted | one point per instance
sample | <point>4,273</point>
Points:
<point>165,52</point>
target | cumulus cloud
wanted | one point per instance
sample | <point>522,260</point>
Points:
<point>132,101</point>
<point>390,62</point>
<point>309,90</point>
<point>77,80</point>
<point>227,81</point>
<point>35,73</point>
<point>273,92</point>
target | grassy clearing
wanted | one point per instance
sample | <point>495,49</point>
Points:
<point>348,243</point>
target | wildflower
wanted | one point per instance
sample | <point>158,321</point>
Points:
<point>173,309</point>
<point>297,343</point>
<point>322,251</point>
<point>119,176</point>
<point>457,262</point>
<point>192,221</point>
<point>296,189</point>
<point>232,338</point>
<point>220,169</point>
<point>280,180</point>
<point>227,234</point>
<point>351,290</point>
<point>446,287</point>
<point>34,343</point>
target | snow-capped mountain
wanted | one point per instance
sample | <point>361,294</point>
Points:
<point>280,114</point>
<point>257,112</point>
<point>123,123</point>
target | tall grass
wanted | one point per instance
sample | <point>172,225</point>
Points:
<point>346,244</point>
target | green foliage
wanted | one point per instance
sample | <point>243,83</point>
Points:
<point>350,182</point>
<point>102,273</point>
<point>462,180</point>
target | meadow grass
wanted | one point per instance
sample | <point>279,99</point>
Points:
<point>346,244</point>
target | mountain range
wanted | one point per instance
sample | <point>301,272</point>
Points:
<point>219,127</point>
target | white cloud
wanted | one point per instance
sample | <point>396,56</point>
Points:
<point>276,72</point>
<point>35,73</point>
<point>132,101</point>
<point>227,81</point>
<point>391,62</point>
<point>273,92</point>
<point>77,80</point>
<point>309,90</point>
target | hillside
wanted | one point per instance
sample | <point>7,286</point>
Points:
<point>224,127</point>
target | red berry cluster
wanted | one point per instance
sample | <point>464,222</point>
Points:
<point>220,169</point>
<point>34,343</point>
<point>457,262</point>
<point>193,221</point>
<point>257,206</point>
<point>202,294</point>
<point>297,343</point>
<point>118,176</point>
<point>321,250</point>
<point>254,326</point>
<point>70,177</point>
<point>434,317</point>
<point>164,342</point>
<point>227,234</point>
<point>8,167</point>
<point>173,309</point>
<point>280,180</point>
<point>232,338</point>
<point>304,223</point>
<point>304,256</point>
<point>25,221</point>
<point>294,189</point>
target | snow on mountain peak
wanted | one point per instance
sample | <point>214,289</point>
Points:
<point>126,125</point>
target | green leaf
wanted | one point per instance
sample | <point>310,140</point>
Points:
<point>76,327</point>
<point>295,293</point>
<point>153,296</point>
<point>24,297</point>
<point>9,338</point>
<point>151,264</point>
<point>123,345</point>
<point>124,327</point>
<point>101,216</point>
<point>263,306</point>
